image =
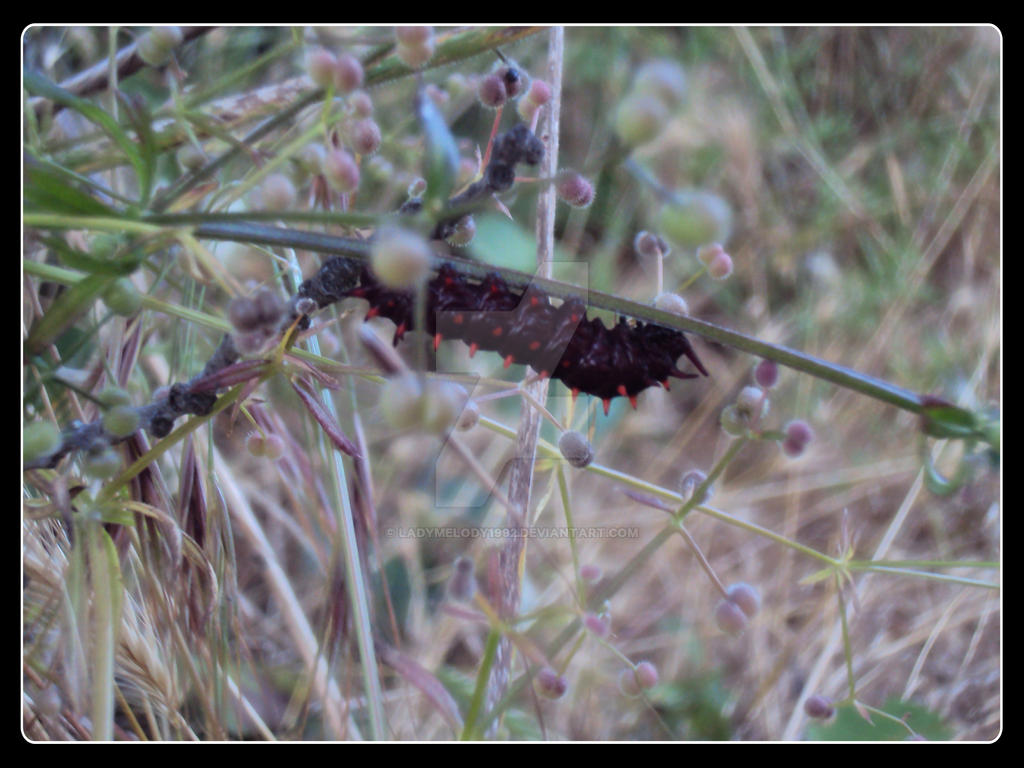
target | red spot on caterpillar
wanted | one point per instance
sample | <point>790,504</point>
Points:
<point>509,360</point>
<point>374,311</point>
<point>473,348</point>
<point>497,331</point>
<point>534,345</point>
<point>437,341</point>
<point>607,404</point>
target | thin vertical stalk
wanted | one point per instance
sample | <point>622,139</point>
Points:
<point>521,471</point>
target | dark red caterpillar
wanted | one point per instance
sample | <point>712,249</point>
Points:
<point>523,327</point>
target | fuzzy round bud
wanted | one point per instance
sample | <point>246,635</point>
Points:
<point>732,422</point>
<point>414,35</point>
<point>400,258</point>
<point>590,573</point>
<point>462,584</point>
<point>664,79</point>
<point>516,80</point>
<point>576,449</point>
<point>708,251</point>
<point>341,171</point>
<point>672,302</point>
<point>270,307</point>
<point>746,597</point>
<point>277,193</point>
<point>252,342</point>
<point>112,396</point>
<point>155,46</point>
<point>415,56</point>
<point>798,435</point>
<point>729,617</point>
<point>122,298</point>
<point>445,401</point>
<point>539,93</point>
<point>469,417</point>
<point>526,110</point>
<point>311,158</point>
<point>102,463</point>
<point>766,374</point>
<point>273,447</point>
<point>255,444</point>
<point>305,306</point>
<point>400,401</point>
<point>121,420</point>
<point>348,73</point>
<point>492,92</point>
<point>364,136</point>
<point>639,119</point>
<point>600,626</point>
<point>550,684</point>
<point>720,267</point>
<point>646,674</point>
<point>243,313</point>
<point>650,245</point>
<point>574,189</point>
<point>819,707</point>
<point>463,232</point>
<point>321,65</point>
<point>695,218</point>
<point>190,156</point>
<point>39,439</point>
<point>752,403</point>
<point>361,103</point>
<point>690,482</point>
<point>417,187</point>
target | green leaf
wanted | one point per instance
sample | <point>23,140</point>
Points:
<point>86,262</point>
<point>140,119</point>
<point>37,84</point>
<point>442,160</point>
<point>65,311</point>
<point>51,189</point>
<point>848,724</point>
<point>945,420</point>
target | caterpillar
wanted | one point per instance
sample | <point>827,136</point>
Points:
<point>521,326</point>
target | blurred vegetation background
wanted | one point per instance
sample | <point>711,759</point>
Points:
<point>856,179</point>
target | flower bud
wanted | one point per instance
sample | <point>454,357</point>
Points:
<point>101,463</point>
<point>341,171</point>
<point>600,626</point>
<point>121,420</point>
<point>155,46</point>
<point>415,56</point>
<point>364,136</point>
<point>819,707</point>
<point>672,302</point>
<point>361,103</point>
<point>414,35</point>
<point>492,92</point>
<point>690,482</point>
<point>752,403</point>
<point>464,231</point>
<point>347,74</point>
<point>122,297</point>
<point>550,684</point>
<point>321,64</point>
<point>469,417</point>
<point>729,617</point>
<point>590,573</point>
<point>639,119</point>
<point>576,449</point>
<point>663,79</point>
<point>574,189</point>
<point>277,193</point>
<point>400,259</point>
<point>694,218</point>
<point>798,435</point>
<point>766,374</point>
<point>746,597</point>
<point>39,439</point>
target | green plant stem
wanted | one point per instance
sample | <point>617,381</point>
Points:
<point>469,730</point>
